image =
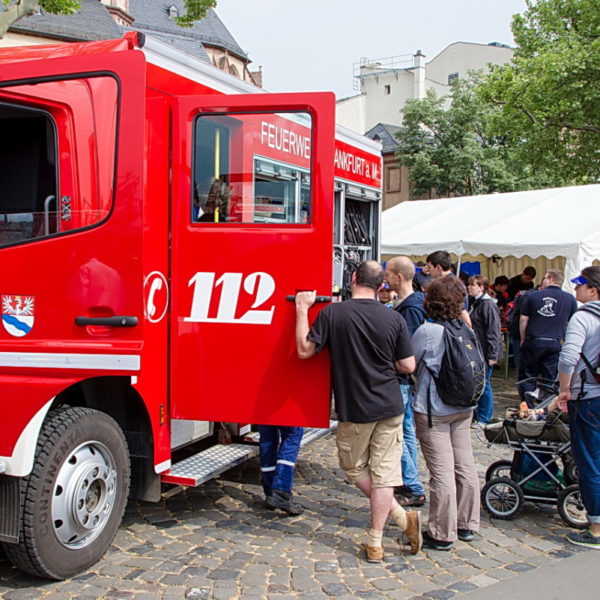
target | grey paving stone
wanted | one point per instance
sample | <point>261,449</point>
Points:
<point>327,566</point>
<point>463,586</point>
<point>223,574</point>
<point>400,594</point>
<point>441,594</point>
<point>520,567</point>
<point>386,583</point>
<point>482,581</point>
<point>444,579</point>
<point>335,589</point>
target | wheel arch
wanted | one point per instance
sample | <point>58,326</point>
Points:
<point>115,396</point>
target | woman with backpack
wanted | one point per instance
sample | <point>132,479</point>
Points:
<point>485,319</point>
<point>579,376</point>
<point>443,425</point>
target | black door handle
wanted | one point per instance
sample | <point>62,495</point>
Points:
<point>118,321</point>
<point>317,299</point>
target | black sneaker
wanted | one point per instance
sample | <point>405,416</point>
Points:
<point>466,535</point>
<point>433,544</point>
<point>283,501</point>
<point>584,538</point>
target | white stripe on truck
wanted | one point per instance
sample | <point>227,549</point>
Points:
<point>55,360</point>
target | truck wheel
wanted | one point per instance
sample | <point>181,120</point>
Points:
<point>75,496</point>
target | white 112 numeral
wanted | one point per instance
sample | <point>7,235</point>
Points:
<point>259,285</point>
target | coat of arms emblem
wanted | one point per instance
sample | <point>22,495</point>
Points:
<point>18,314</point>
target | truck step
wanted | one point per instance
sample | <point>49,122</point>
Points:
<point>314,433</point>
<point>219,458</point>
<point>208,464</point>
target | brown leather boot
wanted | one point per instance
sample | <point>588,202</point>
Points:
<point>413,530</point>
<point>374,553</point>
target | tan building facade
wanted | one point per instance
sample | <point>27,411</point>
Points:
<point>385,86</point>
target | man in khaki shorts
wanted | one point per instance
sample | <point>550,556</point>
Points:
<point>368,344</point>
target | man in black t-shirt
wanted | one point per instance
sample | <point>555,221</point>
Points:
<point>368,343</point>
<point>542,326</point>
<point>522,282</point>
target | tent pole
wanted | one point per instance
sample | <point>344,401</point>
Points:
<point>458,263</point>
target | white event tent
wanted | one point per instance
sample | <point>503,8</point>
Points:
<point>556,222</point>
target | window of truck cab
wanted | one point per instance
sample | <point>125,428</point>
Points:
<point>252,168</point>
<point>58,156</point>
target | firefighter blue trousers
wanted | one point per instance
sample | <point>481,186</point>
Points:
<point>279,446</point>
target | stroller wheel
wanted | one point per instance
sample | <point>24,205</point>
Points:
<point>502,498</point>
<point>499,468</point>
<point>571,471</point>
<point>571,509</point>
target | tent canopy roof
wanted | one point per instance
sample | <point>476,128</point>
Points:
<point>551,222</point>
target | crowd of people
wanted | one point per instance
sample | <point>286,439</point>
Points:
<point>392,347</point>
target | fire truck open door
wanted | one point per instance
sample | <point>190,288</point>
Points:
<point>251,225</point>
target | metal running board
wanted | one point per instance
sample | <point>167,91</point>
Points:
<point>208,464</point>
<point>219,458</point>
<point>314,433</point>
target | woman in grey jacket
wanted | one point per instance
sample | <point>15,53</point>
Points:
<point>485,319</point>
<point>580,395</point>
<point>446,444</point>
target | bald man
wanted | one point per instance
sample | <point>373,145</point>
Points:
<point>399,274</point>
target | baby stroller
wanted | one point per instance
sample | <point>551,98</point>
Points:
<point>542,468</point>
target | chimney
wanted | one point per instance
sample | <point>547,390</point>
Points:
<point>419,75</point>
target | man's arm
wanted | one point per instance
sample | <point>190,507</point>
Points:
<point>304,347</point>
<point>406,365</point>
<point>564,393</point>
<point>523,320</point>
<point>464,315</point>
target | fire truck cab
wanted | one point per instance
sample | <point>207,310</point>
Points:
<point>156,219</point>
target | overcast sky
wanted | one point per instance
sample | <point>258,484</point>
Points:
<point>311,45</point>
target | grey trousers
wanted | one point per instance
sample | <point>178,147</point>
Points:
<point>453,484</point>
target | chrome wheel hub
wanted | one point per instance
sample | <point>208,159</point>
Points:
<point>84,494</point>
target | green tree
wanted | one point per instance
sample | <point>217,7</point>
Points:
<point>549,94</point>
<point>450,149</point>
<point>16,9</point>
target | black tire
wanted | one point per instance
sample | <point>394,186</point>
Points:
<point>570,507</point>
<point>75,496</point>
<point>499,468</point>
<point>571,472</point>
<point>502,498</point>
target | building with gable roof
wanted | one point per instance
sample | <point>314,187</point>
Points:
<point>207,40</point>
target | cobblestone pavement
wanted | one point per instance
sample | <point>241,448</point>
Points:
<point>218,541</point>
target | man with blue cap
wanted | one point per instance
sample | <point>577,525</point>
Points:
<point>579,376</point>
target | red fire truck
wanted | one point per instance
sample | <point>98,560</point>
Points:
<point>156,218</point>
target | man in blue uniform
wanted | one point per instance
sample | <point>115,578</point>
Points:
<point>279,448</point>
<point>542,325</point>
